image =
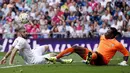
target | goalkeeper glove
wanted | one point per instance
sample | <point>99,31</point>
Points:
<point>123,63</point>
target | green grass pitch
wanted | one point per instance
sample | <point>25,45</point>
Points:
<point>76,67</point>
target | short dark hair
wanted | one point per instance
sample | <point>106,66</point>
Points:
<point>19,29</point>
<point>115,31</point>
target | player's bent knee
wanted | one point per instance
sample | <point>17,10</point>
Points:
<point>77,47</point>
<point>74,46</point>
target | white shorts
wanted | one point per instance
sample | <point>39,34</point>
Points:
<point>41,59</point>
<point>40,55</point>
<point>39,50</point>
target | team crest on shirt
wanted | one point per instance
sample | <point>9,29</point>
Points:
<point>112,45</point>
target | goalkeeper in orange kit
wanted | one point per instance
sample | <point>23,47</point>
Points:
<point>107,48</point>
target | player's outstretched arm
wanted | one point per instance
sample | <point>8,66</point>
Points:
<point>14,51</point>
<point>3,61</point>
<point>124,62</point>
<point>125,52</point>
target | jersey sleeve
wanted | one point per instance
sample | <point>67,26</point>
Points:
<point>123,50</point>
<point>15,42</point>
<point>20,44</point>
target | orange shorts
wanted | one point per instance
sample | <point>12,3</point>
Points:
<point>99,60</point>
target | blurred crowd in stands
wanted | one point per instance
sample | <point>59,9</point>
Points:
<point>65,18</point>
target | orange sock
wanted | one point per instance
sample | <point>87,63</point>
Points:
<point>65,52</point>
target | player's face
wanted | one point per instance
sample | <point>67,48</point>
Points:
<point>24,34</point>
<point>109,34</point>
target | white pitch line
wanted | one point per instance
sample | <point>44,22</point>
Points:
<point>11,66</point>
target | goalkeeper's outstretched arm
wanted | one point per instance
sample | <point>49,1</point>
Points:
<point>124,62</point>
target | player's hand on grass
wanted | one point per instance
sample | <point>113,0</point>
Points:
<point>10,63</point>
<point>123,63</point>
<point>3,61</point>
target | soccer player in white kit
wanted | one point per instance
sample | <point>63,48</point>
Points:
<point>30,56</point>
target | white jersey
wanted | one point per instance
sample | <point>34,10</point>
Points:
<point>30,56</point>
<point>24,49</point>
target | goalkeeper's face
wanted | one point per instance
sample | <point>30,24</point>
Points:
<point>111,33</point>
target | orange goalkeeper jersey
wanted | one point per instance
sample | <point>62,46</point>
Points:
<point>108,48</point>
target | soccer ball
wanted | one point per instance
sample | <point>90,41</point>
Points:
<point>24,18</point>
